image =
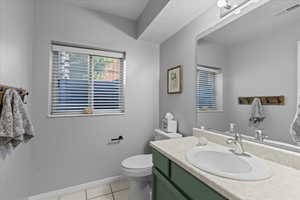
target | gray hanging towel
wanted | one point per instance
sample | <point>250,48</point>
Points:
<point>15,124</point>
<point>295,127</point>
<point>257,115</point>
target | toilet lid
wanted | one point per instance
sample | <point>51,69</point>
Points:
<point>138,162</point>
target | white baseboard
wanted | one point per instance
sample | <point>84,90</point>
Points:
<point>76,188</point>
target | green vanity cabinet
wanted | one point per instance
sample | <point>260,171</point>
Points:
<point>171,182</point>
<point>164,189</point>
<point>161,163</point>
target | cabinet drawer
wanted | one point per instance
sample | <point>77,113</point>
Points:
<point>161,163</point>
<point>191,186</point>
<point>163,189</point>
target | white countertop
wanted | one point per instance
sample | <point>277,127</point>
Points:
<point>284,184</point>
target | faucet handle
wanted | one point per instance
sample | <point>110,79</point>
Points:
<point>239,148</point>
<point>232,128</point>
<point>259,135</point>
<point>238,136</point>
<point>230,141</point>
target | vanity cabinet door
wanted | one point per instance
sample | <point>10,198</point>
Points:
<point>163,189</point>
<point>161,163</point>
<point>191,186</point>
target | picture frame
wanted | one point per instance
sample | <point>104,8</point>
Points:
<point>174,79</point>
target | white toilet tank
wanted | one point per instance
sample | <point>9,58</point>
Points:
<point>161,135</point>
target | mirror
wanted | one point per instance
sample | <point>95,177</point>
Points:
<point>254,56</point>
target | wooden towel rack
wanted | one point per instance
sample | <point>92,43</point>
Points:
<point>265,100</point>
<point>22,92</point>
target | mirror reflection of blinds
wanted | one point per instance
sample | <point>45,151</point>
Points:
<point>86,78</point>
<point>206,90</point>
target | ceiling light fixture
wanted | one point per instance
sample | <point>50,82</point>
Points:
<point>224,4</point>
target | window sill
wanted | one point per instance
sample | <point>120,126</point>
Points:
<point>84,115</point>
<point>210,111</point>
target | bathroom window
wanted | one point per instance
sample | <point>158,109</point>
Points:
<point>86,81</point>
<point>209,89</point>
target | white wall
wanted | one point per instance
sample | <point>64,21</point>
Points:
<point>266,66</point>
<point>16,38</point>
<point>71,151</point>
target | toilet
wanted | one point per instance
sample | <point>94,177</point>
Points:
<point>138,170</point>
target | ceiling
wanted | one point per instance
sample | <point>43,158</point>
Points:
<point>130,9</point>
<point>249,27</point>
<point>170,18</point>
<point>174,17</point>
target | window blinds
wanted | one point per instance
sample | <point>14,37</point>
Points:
<point>86,78</point>
<point>206,89</point>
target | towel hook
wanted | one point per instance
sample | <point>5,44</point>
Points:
<point>22,92</point>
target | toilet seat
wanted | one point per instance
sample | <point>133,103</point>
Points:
<point>137,166</point>
<point>138,170</point>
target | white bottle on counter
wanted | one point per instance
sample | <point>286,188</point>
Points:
<point>202,141</point>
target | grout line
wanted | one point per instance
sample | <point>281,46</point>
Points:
<point>111,190</point>
<point>113,195</point>
<point>121,190</point>
<point>102,195</point>
<point>73,189</point>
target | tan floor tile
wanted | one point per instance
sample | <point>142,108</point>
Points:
<point>98,191</point>
<point>120,185</point>
<point>122,195</point>
<point>74,196</point>
<point>105,197</point>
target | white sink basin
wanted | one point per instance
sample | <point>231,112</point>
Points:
<point>222,162</point>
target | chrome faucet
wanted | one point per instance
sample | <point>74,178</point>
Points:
<point>237,141</point>
<point>260,136</point>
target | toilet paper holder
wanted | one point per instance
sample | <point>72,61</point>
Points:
<point>115,140</point>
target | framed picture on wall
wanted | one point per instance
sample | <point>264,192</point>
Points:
<point>175,80</point>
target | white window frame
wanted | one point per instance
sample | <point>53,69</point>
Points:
<point>54,45</point>
<point>219,88</point>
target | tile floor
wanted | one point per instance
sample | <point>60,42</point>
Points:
<point>114,191</point>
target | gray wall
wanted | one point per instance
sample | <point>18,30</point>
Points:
<point>71,151</point>
<point>16,38</point>
<point>214,55</point>
<point>181,49</point>
<point>153,8</point>
<point>266,66</point>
